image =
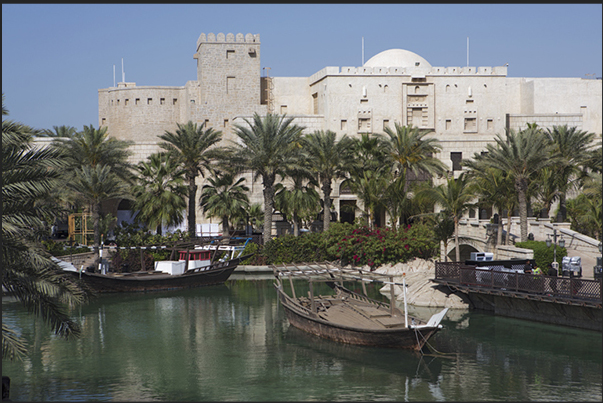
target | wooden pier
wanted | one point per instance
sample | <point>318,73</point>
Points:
<point>574,302</point>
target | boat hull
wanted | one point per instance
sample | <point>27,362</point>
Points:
<point>405,338</point>
<point>217,274</point>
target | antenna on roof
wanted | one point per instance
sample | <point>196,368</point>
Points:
<point>467,51</point>
<point>363,50</point>
<point>123,74</point>
<point>114,75</point>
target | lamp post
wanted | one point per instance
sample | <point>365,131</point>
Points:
<point>561,244</point>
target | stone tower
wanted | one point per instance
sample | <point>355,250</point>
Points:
<point>228,79</point>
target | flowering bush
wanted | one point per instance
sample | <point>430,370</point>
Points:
<point>375,247</point>
<point>353,245</point>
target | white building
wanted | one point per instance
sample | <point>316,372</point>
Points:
<point>464,107</point>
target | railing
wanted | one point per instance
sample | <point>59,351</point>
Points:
<point>574,289</point>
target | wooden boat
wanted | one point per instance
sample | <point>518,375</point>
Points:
<point>346,316</point>
<point>195,268</point>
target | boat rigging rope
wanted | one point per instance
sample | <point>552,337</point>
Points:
<point>438,353</point>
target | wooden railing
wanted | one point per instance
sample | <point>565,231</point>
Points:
<point>574,289</point>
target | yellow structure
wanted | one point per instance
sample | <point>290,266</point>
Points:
<point>81,228</point>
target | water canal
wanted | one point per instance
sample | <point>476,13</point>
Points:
<point>233,343</point>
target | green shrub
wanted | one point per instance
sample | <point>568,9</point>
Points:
<point>128,260</point>
<point>385,245</point>
<point>251,248</point>
<point>353,244</point>
<point>543,255</point>
<point>62,248</point>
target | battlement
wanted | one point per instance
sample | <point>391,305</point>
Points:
<point>405,71</point>
<point>228,38</point>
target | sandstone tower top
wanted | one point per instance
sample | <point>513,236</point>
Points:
<point>228,38</point>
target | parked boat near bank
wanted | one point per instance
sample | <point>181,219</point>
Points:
<point>203,265</point>
<point>346,316</point>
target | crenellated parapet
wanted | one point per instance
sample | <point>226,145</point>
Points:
<point>408,71</point>
<point>228,38</point>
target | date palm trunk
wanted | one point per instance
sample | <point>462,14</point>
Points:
<point>268,208</point>
<point>192,208</point>
<point>326,191</point>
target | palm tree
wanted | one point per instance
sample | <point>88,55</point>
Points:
<point>92,147</point>
<point>269,146</point>
<point>224,198</point>
<point>547,190</point>
<point>60,131</point>
<point>522,155</point>
<point>299,201</point>
<point>443,229</point>
<point>573,146</point>
<point>92,185</point>
<point>161,192</point>
<point>37,282</point>
<point>408,151</point>
<point>191,146</point>
<point>88,154</point>
<point>368,176</point>
<point>493,187</point>
<point>585,210</point>
<point>327,158</point>
<point>455,199</point>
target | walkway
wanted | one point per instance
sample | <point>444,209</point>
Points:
<point>480,235</point>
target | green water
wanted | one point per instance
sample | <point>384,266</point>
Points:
<point>233,343</point>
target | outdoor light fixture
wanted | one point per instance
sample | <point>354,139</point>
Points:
<point>554,240</point>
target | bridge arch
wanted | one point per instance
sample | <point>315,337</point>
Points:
<point>466,246</point>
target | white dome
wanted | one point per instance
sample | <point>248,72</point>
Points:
<point>397,58</point>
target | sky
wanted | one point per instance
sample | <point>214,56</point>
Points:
<point>55,57</point>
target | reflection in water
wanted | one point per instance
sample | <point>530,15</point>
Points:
<point>233,342</point>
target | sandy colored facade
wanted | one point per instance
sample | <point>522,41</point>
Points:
<point>464,107</point>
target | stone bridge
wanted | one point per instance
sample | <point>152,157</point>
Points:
<point>478,235</point>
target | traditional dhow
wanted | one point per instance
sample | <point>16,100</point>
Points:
<point>346,316</point>
<point>200,266</point>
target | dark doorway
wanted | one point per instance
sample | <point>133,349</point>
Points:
<point>347,209</point>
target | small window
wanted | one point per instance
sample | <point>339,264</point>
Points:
<point>149,101</point>
<point>206,123</point>
<point>385,124</point>
<point>417,63</point>
<point>469,101</point>
<point>230,53</point>
<point>283,109</point>
<point>490,124</point>
<point>118,102</point>
<point>344,125</point>
<point>103,121</point>
<point>111,102</point>
<point>230,84</point>
<point>162,101</point>
<point>175,101</point>
<point>363,101</point>
<point>192,101</point>
<point>364,125</point>
<point>470,124</point>
<point>315,102</point>
<point>225,122</point>
<point>456,158</point>
<point>127,101</point>
<point>448,124</point>
<point>137,101</point>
